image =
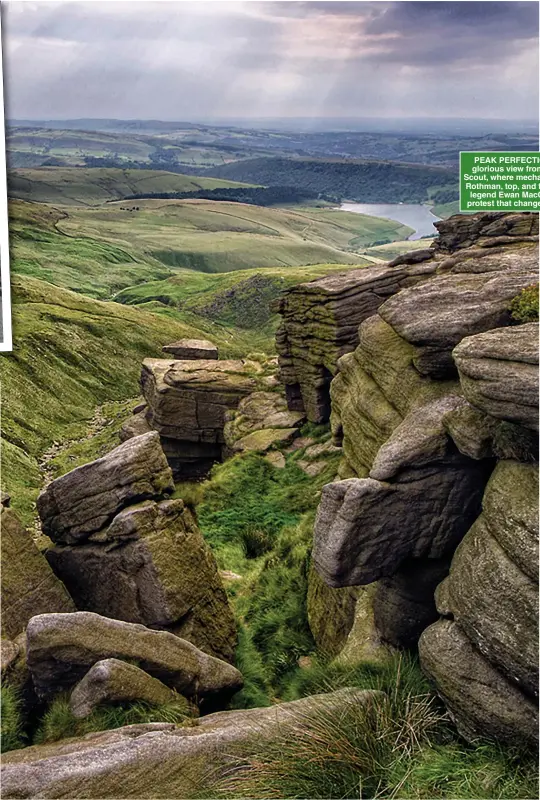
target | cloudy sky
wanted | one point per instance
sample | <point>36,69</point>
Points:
<point>196,60</point>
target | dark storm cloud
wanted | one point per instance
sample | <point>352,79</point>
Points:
<point>184,59</point>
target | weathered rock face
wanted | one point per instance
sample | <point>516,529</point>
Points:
<point>491,597</point>
<point>133,559</point>
<point>187,405</point>
<point>86,499</point>
<point>261,421</point>
<point>114,681</point>
<point>151,565</point>
<point>320,324</point>
<point>62,647</point>
<point>499,373</point>
<point>29,586</point>
<point>421,433</point>
<point>159,760</point>
<point>191,349</point>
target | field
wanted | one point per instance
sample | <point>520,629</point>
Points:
<point>93,186</point>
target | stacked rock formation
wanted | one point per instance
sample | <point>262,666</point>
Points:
<point>187,402</point>
<point>440,388</point>
<point>320,319</point>
<point>126,551</point>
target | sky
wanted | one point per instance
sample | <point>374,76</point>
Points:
<point>202,59</point>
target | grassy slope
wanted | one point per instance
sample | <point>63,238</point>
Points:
<point>72,354</point>
<point>80,186</point>
<point>213,236</point>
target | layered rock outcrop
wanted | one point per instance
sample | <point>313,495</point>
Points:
<point>186,402</point>
<point>127,551</point>
<point>440,386</point>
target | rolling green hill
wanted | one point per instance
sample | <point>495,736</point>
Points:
<point>93,186</point>
<point>72,353</point>
<point>363,181</point>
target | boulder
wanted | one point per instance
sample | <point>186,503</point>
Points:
<point>135,425</point>
<point>8,655</point>
<point>29,586</point>
<point>261,421</point>
<point>365,528</point>
<point>191,349</point>
<point>114,681</point>
<point>62,647</point>
<point>86,499</point>
<point>499,373</point>
<point>152,566</point>
<point>482,702</point>
<point>436,315</point>
<point>188,403</point>
<point>161,760</point>
<point>465,230</point>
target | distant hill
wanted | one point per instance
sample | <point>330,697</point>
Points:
<point>362,181</point>
<point>90,187</point>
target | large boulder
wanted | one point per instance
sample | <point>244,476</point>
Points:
<point>61,648</point>
<point>114,681</point>
<point>481,700</point>
<point>161,760</point>
<point>261,421</point>
<point>29,586</point>
<point>151,565</point>
<point>499,372</point>
<point>86,499</point>
<point>188,403</point>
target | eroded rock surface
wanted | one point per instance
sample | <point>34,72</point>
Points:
<point>160,760</point>
<point>498,371</point>
<point>261,421</point>
<point>191,349</point>
<point>152,566</point>
<point>29,586</point>
<point>187,405</point>
<point>62,647</point>
<point>86,499</point>
<point>114,681</point>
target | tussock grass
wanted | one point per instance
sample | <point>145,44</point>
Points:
<point>11,721</point>
<point>59,723</point>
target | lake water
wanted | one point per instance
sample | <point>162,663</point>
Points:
<point>418,217</point>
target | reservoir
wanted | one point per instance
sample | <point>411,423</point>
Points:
<point>417,216</point>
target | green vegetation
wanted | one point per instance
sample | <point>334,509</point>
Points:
<point>11,721</point>
<point>75,186</point>
<point>399,745</point>
<point>257,195</point>
<point>364,181</point>
<point>59,723</point>
<point>72,354</point>
<point>524,307</point>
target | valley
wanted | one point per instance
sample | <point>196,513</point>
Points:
<point>216,511</point>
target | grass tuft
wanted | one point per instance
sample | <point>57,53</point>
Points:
<point>12,730</point>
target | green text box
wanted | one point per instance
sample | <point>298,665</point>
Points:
<point>499,181</point>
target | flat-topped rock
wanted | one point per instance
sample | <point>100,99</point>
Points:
<point>61,648</point>
<point>86,499</point>
<point>185,349</point>
<point>114,681</point>
<point>29,586</point>
<point>152,566</point>
<point>462,231</point>
<point>498,371</point>
<point>188,403</point>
